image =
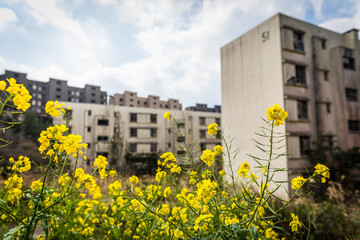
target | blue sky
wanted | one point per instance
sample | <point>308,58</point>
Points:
<point>169,48</point>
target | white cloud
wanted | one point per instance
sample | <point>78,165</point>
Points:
<point>344,24</point>
<point>6,16</point>
<point>317,5</point>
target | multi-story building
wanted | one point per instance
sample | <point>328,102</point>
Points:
<point>311,71</point>
<point>56,89</point>
<point>130,99</point>
<point>114,131</point>
<point>201,107</point>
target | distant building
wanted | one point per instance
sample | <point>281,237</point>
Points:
<point>56,89</point>
<point>130,99</point>
<point>201,107</point>
<point>311,71</point>
<point>114,131</point>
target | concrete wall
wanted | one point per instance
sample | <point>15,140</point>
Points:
<point>251,74</point>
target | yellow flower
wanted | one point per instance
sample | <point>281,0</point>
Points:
<point>277,114</point>
<point>23,164</point>
<point>53,108</point>
<point>167,115</point>
<point>2,85</point>
<point>295,223</point>
<point>221,173</point>
<point>212,129</point>
<point>297,182</point>
<point>167,192</point>
<point>218,150</point>
<point>112,173</point>
<point>100,162</point>
<point>19,94</point>
<point>36,185</point>
<point>244,170</point>
<point>208,157</point>
<point>322,170</point>
<point>133,179</point>
<point>160,175</point>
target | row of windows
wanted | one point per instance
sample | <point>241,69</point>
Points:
<point>133,147</point>
<point>133,118</point>
<point>202,121</point>
<point>134,132</point>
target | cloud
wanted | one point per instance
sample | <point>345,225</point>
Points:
<point>6,16</point>
<point>317,5</point>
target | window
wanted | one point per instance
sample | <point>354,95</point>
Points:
<point>89,113</point>
<point>58,89</point>
<point>353,125</point>
<point>218,121</point>
<point>304,145</point>
<point>351,94</point>
<point>153,147</point>
<point>89,129</point>
<point>181,139</point>
<point>120,99</point>
<point>180,125</point>
<point>132,147</point>
<point>58,96</point>
<point>180,152</point>
<point>302,109</point>
<point>202,133</point>
<point>202,121</point>
<point>326,77</point>
<point>349,63</point>
<point>133,117</point>
<point>93,94</point>
<point>133,132</point>
<point>58,83</point>
<point>92,101</point>
<point>298,41</point>
<point>153,118</point>
<point>102,138</point>
<point>153,132</point>
<point>103,122</point>
<point>169,145</point>
<point>323,44</point>
<point>202,146</point>
<point>328,107</point>
<point>300,74</point>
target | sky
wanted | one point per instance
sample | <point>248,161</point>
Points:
<point>167,48</point>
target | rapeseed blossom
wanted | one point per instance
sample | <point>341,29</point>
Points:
<point>297,182</point>
<point>2,85</point>
<point>36,185</point>
<point>54,109</point>
<point>100,162</point>
<point>295,223</point>
<point>18,94</point>
<point>133,179</point>
<point>322,170</point>
<point>167,115</point>
<point>277,114</point>
<point>208,157</point>
<point>218,150</point>
<point>244,170</point>
<point>212,129</point>
<point>22,165</point>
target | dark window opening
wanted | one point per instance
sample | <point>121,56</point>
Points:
<point>298,41</point>
<point>202,146</point>
<point>302,109</point>
<point>349,63</point>
<point>153,147</point>
<point>105,154</point>
<point>202,133</point>
<point>300,74</point>
<point>328,107</point>
<point>133,132</point>
<point>180,125</point>
<point>153,118</point>
<point>132,147</point>
<point>323,44</point>
<point>153,132</point>
<point>89,129</point>
<point>103,122</point>
<point>202,121</point>
<point>353,125</point>
<point>351,94</point>
<point>102,138</point>
<point>89,113</point>
<point>218,121</point>
<point>326,76</point>
<point>181,139</point>
<point>304,145</point>
<point>133,117</point>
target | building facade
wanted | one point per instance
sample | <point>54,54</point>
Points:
<point>311,71</point>
<point>114,131</point>
<point>56,89</point>
<point>201,107</point>
<point>130,99</point>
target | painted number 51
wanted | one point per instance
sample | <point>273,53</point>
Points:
<point>265,36</point>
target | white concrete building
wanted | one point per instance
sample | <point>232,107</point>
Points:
<point>114,131</point>
<point>311,71</point>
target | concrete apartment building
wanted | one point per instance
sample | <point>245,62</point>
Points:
<point>130,99</point>
<point>114,131</point>
<point>311,71</point>
<point>201,107</point>
<point>56,89</point>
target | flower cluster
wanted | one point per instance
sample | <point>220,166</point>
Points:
<point>23,164</point>
<point>277,114</point>
<point>169,162</point>
<point>244,170</point>
<point>212,129</point>
<point>100,162</point>
<point>54,109</point>
<point>208,157</point>
<point>13,186</point>
<point>18,94</point>
<point>167,115</point>
<point>323,171</point>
